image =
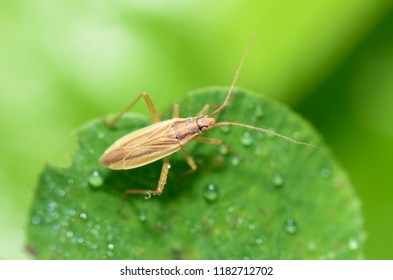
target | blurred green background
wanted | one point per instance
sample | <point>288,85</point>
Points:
<point>63,63</point>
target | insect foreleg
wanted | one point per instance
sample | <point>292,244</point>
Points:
<point>154,115</point>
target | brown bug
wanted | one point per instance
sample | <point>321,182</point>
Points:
<point>164,138</point>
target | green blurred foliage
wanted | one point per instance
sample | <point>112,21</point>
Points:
<point>63,63</point>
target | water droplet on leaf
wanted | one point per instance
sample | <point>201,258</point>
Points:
<point>235,160</point>
<point>311,246</point>
<point>95,179</point>
<point>142,216</point>
<point>101,135</point>
<point>259,241</point>
<point>325,172</point>
<point>296,135</point>
<point>36,220</point>
<point>353,244</point>
<point>223,150</point>
<point>247,139</point>
<point>52,206</point>
<point>259,112</point>
<point>290,226</point>
<point>278,180</point>
<point>80,240</point>
<point>147,195</point>
<point>225,129</point>
<point>211,193</point>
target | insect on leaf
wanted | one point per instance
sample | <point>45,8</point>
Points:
<point>271,199</point>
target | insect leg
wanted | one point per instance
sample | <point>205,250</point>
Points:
<point>150,106</point>
<point>160,187</point>
<point>214,142</point>
<point>204,109</point>
<point>190,162</point>
<point>175,111</point>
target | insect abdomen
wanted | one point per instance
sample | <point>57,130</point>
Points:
<point>150,143</point>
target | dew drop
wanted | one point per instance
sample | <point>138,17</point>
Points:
<point>290,226</point>
<point>225,129</point>
<point>311,246</point>
<point>61,193</point>
<point>325,171</point>
<point>111,246</point>
<point>142,216</point>
<point>211,193</point>
<point>223,150</point>
<point>353,244</point>
<point>52,206</point>
<point>251,226</point>
<point>296,135</point>
<point>69,234</point>
<point>330,255</point>
<point>101,135</point>
<point>80,240</point>
<point>278,180</point>
<point>36,220</point>
<point>71,212</point>
<point>247,139</point>
<point>259,241</point>
<point>259,112</point>
<point>235,160</point>
<point>261,151</point>
<point>95,179</point>
<point>83,216</point>
<point>147,195</point>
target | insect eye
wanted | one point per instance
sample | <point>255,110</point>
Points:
<point>204,129</point>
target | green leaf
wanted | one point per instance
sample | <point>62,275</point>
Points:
<point>271,199</point>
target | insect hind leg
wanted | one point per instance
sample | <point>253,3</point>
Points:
<point>154,115</point>
<point>160,187</point>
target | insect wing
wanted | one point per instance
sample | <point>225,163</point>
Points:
<point>142,146</point>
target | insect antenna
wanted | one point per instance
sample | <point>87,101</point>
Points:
<point>229,95</point>
<point>264,131</point>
